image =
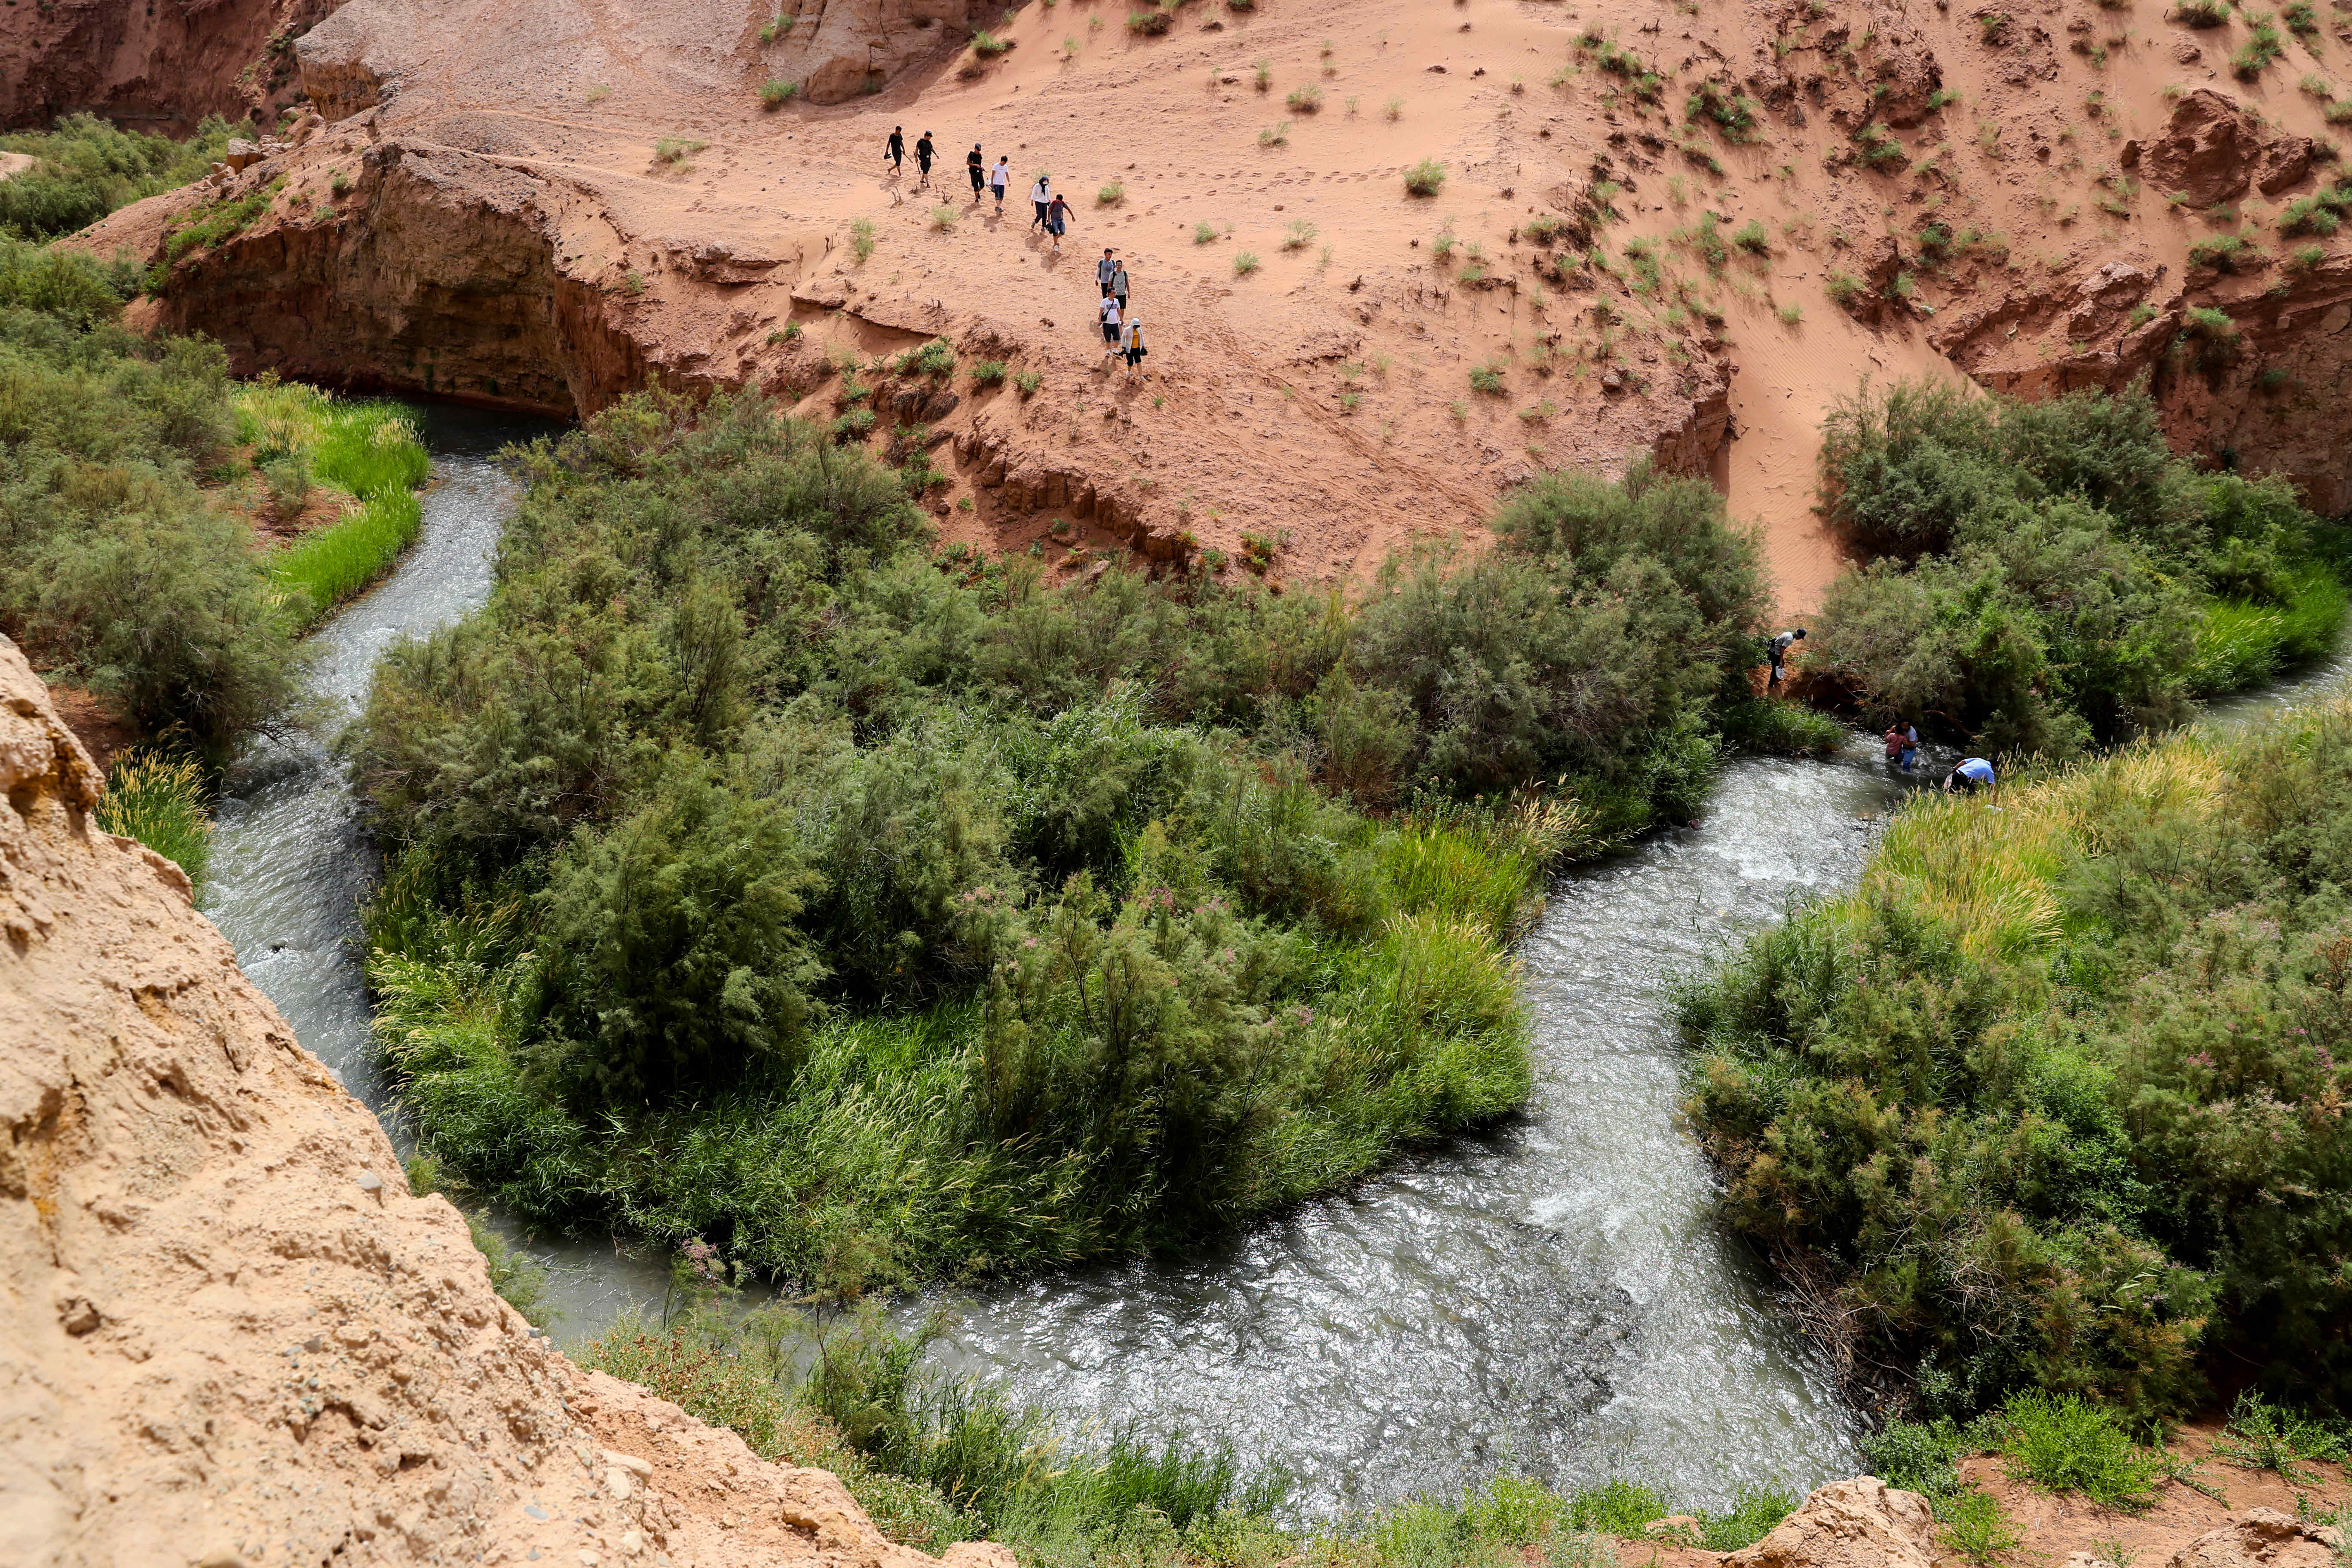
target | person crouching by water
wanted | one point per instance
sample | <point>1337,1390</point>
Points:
<point>1778,654</point>
<point>1974,774</point>
<point>1902,743</point>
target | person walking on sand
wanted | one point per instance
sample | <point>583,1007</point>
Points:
<point>896,151</point>
<point>1000,177</point>
<point>924,152</point>
<point>1779,656</point>
<point>1039,197</point>
<point>1131,342</point>
<point>1104,268</point>
<point>977,166</point>
<point>1118,283</point>
<point>1057,220</point>
<point>1110,325</point>
<point>1972,774</point>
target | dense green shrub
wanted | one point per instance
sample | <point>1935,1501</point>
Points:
<point>2048,574</point>
<point>2052,1095</point>
<point>762,875</point>
<point>116,570</point>
<point>85,168</point>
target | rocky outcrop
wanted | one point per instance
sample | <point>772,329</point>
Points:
<point>1860,1523</point>
<point>2265,1538</point>
<point>228,1334</point>
<point>2212,150</point>
<point>154,66</point>
<point>839,47</point>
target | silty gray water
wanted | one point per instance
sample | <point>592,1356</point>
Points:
<point>1553,1297</point>
<point>289,861</point>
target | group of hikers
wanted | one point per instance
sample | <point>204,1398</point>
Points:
<point>1968,776</point>
<point>1122,328</point>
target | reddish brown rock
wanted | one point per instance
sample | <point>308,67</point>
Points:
<point>2207,152</point>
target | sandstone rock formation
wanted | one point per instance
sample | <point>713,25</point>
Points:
<point>1860,1523</point>
<point>228,1335</point>
<point>152,64</point>
<point>2265,1538</point>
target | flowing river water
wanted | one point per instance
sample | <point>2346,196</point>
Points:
<point>1553,1297</point>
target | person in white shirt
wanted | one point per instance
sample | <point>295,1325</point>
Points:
<point>1110,325</point>
<point>1131,342</point>
<point>1038,196</point>
<point>999,177</point>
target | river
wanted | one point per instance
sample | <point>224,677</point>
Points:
<point>1553,1297</point>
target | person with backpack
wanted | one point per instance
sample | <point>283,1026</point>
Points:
<point>1779,656</point>
<point>897,148</point>
<point>977,166</point>
<point>924,152</point>
<point>1104,268</point>
<point>1119,284</point>
<point>1000,177</point>
<point>1057,219</point>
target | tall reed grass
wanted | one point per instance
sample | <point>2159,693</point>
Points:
<point>2242,644</point>
<point>368,450</point>
<point>160,801</point>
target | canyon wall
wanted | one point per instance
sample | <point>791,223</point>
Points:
<point>229,1334</point>
<point>151,65</point>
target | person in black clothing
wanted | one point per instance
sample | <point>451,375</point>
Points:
<point>923,153</point>
<point>977,166</point>
<point>897,149</point>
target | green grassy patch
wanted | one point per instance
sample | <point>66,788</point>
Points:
<point>159,800</point>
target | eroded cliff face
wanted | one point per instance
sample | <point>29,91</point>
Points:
<point>153,64</point>
<point>228,1335</point>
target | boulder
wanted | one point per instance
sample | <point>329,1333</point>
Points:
<point>1860,1523</point>
<point>2284,163</point>
<point>241,155</point>
<point>2265,1538</point>
<point>2209,151</point>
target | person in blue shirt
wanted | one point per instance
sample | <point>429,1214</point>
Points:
<point>1973,774</point>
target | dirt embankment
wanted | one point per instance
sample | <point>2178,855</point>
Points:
<point>152,66</point>
<point>228,1335</point>
<point>1658,231</point>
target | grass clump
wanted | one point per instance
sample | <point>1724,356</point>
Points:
<point>2202,13</point>
<point>833,989</point>
<point>934,358</point>
<point>1305,99</point>
<point>675,150</point>
<point>2062,1444</point>
<point>1204,233</point>
<point>1111,195</point>
<point>775,92</point>
<point>1425,178</point>
<point>861,240</point>
<point>2221,252</point>
<point>987,373</point>
<point>1734,113</point>
<point>2263,45</point>
<point>84,168</point>
<point>1275,135</point>
<point>159,800</point>
<point>988,45</point>
<point>1150,24</point>
<point>1298,235</point>
<point>1244,263</point>
<point>1488,379</point>
<point>943,218</point>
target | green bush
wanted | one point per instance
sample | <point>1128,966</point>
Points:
<point>760,873</point>
<point>2060,1444</point>
<point>2050,575</point>
<point>2020,1092</point>
<point>85,168</point>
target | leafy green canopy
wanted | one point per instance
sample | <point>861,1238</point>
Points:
<point>2056,1100</point>
<point>763,876</point>
<point>2049,575</point>
<point>85,168</point>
